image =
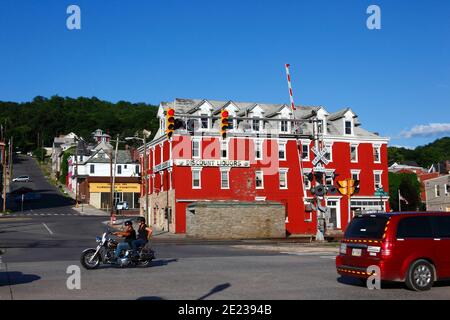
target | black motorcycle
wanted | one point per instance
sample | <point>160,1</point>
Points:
<point>104,253</point>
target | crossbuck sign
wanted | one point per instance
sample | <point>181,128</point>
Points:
<point>320,156</point>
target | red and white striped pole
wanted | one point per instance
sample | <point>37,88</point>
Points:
<point>290,86</point>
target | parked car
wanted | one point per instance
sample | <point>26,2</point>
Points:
<point>122,205</point>
<point>409,247</point>
<point>22,179</point>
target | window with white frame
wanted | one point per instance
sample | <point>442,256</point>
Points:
<point>224,149</point>
<point>355,174</point>
<point>354,153</point>
<point>196,178</point>
<point>447,189</point>
<point>283,178</point>
<point>329,180</point>
<point>119,169</point>
<point>195,148</point>
<point>329,154</point>
<point>320,127</point>
<point>348,127</point>
<point>92,168</point>
<point>284,126</point>
<point>376,154</point>
<point>306,181</point>
<point>259,179</point>
<point>305,152</point>
<point>230,123</point>
<point>377,179</point>
<point>256,124</point>
<point>204,121</point>
<point>224,179</point>
<point>161,180</point>
<point>258,149</point>
<point>437,190</point>
<point>282,150</point>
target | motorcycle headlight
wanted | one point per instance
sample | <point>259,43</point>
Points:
<point>98,239</point>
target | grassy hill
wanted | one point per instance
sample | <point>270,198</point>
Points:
<point>425,156</point>
<point>47,118</point>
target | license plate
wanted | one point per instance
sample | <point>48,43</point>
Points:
<point>356,252</point>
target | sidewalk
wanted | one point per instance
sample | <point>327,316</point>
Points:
<point>88,210</point>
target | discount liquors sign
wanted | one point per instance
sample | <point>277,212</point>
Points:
<point>212,163</point>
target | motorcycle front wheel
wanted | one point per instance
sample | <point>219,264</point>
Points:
<point>86,259</point>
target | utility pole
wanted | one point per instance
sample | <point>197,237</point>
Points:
<point>110,182</point>
<point>114,174</point>
<point>10,171</point>
<point>145,173</point>
<point>4,177</point>
<point>76,176</point>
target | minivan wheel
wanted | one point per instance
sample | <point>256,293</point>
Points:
<point>420,276</point>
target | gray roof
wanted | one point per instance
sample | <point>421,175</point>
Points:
<point>123,156</point>
<point>270,109</point>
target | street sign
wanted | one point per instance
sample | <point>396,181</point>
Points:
<point>381,193</point>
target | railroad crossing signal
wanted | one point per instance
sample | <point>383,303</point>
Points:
<point>320,156</point>
<point>348,187</point>
<point>170,122</point>
<point>223,123</point>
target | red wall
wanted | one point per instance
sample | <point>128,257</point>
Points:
<point>242,180</point>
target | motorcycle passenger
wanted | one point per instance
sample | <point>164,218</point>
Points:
<point>129,236</point>
<point>144,233</point>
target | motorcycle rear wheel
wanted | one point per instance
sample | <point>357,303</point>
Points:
<point>86,257</point>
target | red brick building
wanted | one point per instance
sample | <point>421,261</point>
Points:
<point>262,159</point>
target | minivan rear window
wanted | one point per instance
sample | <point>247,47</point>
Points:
<point>441,226</point>
<point>414,227</point>
<point>366,227</point>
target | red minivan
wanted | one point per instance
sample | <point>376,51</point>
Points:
<point>411,247</point>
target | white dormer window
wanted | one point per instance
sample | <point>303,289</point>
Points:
<point>256,124</point>
<point>204,121</point>
<point>348,127</point>
<point>284,126</point>
<point>231,121</point>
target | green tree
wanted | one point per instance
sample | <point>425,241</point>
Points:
<point>410,189</point>
<point>64,170</point>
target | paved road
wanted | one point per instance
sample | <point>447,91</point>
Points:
<point>39,249</point>
<point>52,201</point>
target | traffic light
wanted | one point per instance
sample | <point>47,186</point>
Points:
<point>223,123</point>
<point>332,190</point>
<point>342,187</point>
<point>170,122</point>
<point>348,187</point>
<point>320,190</point>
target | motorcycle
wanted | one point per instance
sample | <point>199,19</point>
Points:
<point>104,253</point>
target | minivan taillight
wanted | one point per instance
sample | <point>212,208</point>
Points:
<point>386,249</point>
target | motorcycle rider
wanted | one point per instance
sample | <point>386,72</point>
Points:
<point>143,234</point>
<point>129,235</point>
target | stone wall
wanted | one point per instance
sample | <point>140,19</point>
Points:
<point>235,220</point>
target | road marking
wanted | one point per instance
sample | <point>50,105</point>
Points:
<point>42,214</point>
<point>320,254</point>
<point>328,257</point>
<point>48,229</point>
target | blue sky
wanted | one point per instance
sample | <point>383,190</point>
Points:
<point>396,79</point>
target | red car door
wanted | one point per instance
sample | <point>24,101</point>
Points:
<point>441,230</point>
